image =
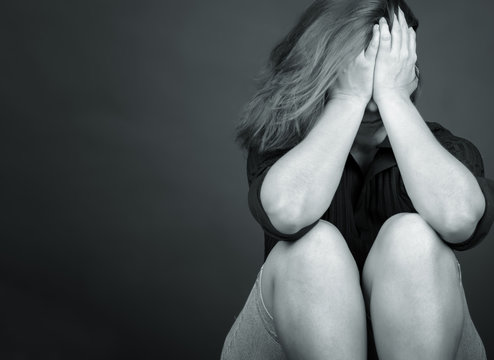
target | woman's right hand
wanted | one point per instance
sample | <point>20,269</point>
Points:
<point>355,82</point>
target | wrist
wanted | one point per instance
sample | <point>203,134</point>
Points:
<point>391,97</point>
<point>360,101</point>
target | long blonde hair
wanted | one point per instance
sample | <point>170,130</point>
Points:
<point>293,86</point>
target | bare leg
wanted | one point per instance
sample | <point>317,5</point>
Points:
<point>312,289</point>
<point>413,291</point>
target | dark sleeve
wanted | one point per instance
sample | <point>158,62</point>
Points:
<point>470,156</point>
<point>257,168</point>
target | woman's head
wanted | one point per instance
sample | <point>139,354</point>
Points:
<point>295,85</point>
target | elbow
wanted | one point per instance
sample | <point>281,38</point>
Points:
<point>461,224</point>
<point>458,230</point>
<point>285,218</point>
<point>283,212</point>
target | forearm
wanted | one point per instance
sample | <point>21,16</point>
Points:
<point>300,186</point>
<point>443,191</point>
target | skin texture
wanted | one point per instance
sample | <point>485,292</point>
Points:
<point>300,277</point>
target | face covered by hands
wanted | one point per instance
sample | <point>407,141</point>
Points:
<point>386,68</point>
<point>394,72</point>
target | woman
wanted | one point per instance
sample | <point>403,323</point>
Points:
<point>362,202</point>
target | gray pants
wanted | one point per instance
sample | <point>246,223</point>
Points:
<point>252,335</point>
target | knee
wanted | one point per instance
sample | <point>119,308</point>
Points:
<point>406,241</point>
<point>321,253</point>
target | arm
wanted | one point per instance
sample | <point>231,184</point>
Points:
<point>300,185</point>
<point>443,191</point>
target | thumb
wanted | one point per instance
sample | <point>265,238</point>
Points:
<point>371,51</point>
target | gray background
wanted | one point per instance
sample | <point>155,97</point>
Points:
<point>124,217</point>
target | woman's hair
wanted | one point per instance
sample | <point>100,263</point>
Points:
<point>293,87</point>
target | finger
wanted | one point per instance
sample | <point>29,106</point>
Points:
<point>412,42</point>
<point>405,38</point>
<point>371,51</point>
<point>396,36</point>
<point>385,36</point>
<point>361,56</point>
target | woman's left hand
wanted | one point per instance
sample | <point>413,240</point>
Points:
<point>394,73</point>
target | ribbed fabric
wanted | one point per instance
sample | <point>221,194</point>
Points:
<point>361,203</point>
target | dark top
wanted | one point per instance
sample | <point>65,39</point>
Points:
<point>362,203</point>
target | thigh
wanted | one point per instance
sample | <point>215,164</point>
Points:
<point>320,256</point>
<point>252,335</point>
<point>409,246</point>
<point>312,288</point>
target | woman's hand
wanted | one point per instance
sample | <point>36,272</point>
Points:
<point>395,62</point>
<point>355,81</point>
